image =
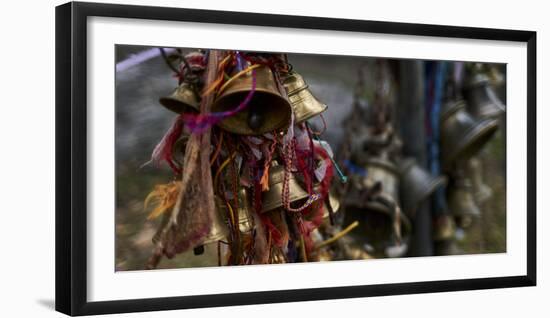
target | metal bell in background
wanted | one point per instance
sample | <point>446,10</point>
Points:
<point>462,136</point>
<point>182,100</point>
<point>377,232</point>
<point>461,202</point>
<point>387,175</point>
<point>444,228</point>
<point>481,98</point>
<point>447,247</point>
<point>416,185</point>
<point>482,192</point>
<point>268,109</point>
<point>304,104</point>
<point>273,198</point>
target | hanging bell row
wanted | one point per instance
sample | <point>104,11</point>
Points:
<point>268,109</point>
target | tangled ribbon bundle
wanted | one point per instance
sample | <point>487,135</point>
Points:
<point>243,173</point>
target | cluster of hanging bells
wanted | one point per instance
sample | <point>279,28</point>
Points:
<point>467,124</point>
<point>381,203</point>
<point>385,189</point>
<point>278,101</point>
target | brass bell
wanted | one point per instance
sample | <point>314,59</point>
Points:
<point>246,220</point>
<point>273,198</point>
<point>182,100</point>
<point>462,203</point>
<point>481,98</point>
<point>377,229</point>
<point>462,136</point>
<point>268,110</point>
<point>444,228</point>
<point>218,230</point>
<point>244,211</point>
<point>304,104</point>
<point>482,192</point>
<point>416,185</point>
<point>386,173</point>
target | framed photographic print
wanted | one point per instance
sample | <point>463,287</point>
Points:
<point>209,158</point>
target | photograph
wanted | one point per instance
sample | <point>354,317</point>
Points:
<point>226,157</point>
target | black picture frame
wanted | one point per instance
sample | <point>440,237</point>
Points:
<point>71,157</point>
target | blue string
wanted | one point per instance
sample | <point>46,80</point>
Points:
<point>355,169</point>
<point>436,77</point>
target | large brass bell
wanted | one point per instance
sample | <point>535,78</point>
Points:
<point>304,104</point>
<point>377,229</point>
<point>182,100</point>
<point>481,98</point>
<point>462,203</point>
<point>273,198</point>
<point>462,136</point>
<point>416,185</point>
<point>268,110</point>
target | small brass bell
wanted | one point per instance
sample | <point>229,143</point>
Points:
<point>273,198</point>
<point>218,230</point>
<point>481,98</point>
<point>444,228</point>
<point>178,150</point>
<point>244,211</point>
<point>462,136</point>
<point>246,220</point>
<point>482,192</point>
<point>462,203</point>
<point>304,104</point>
<point>416,185</point>
<point>268,110</point>
<point>183,100</point>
